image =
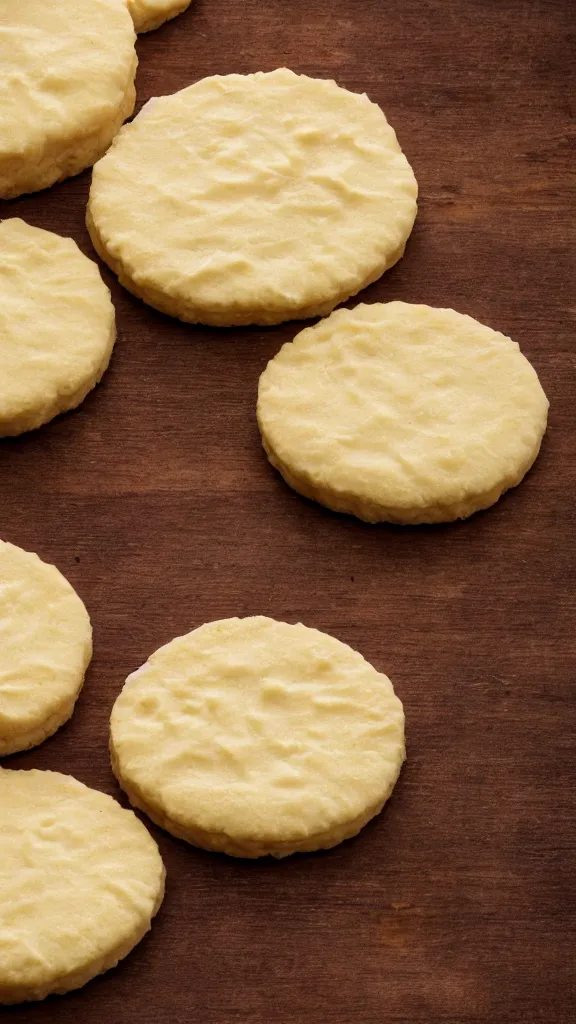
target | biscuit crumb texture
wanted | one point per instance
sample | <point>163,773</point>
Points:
<point>67,85</point>
<point>252,199</point>
<point>150,14</point>
<point>57,326</point>
<point>45,649</point>
<point>80,881</point>
<point>253,737</point>
<point>401,413</point>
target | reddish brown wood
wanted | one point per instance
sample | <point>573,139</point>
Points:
<point>456,905</point>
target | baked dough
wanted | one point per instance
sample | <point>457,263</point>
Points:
<point>401,412</point>
<point>252,199</point>
<point>57,326</point>
<point>67,84</point>
<point>253,737</point>
<point>150,14</point>
<point>45,649</point>
<point>80,881</point>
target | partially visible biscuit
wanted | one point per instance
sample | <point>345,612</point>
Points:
<point>45,649</point>
<point>67,85</point>
<point>253,737</point>
<point>252,199</point>
<point>80,881</point>
<point>399,412</point>
<point>57,326</point>
<point>150,14</point>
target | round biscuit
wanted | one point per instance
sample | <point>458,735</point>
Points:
<point>45,649</point>
<point>150,14</point>
<point>57,326</point>
<point>401,413</point>
<point>67,84</point>
<point>80,881</point>
<point>253,737</point>
<point>252,199</point>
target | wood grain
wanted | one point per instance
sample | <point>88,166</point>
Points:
<point>457,905</point>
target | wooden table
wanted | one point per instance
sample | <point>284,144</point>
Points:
<point>456,905</point>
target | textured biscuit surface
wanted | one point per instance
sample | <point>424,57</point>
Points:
<point>45,648</point>
<point>401,412</point>
<point>80,881</point>
<point>150,14</point>
<point>57,326</point>
<point>67,84</point>
<point>253,737</point>
<point>252,199</point>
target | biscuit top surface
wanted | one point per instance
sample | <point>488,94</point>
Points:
<point>264,189</point>
<point>78,875</point>
<point>45,640</point>
<point>260,730</point>
<point>66,65</point>
<point>407,405</point>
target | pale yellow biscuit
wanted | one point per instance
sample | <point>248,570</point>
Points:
<point>80,881</point>
<point>402,413</point>
<point>150,14</point>
<point>254,737</point>
<point>66,86</point>
<point>252,199</point>
<point>57,326</point>
<point>45,649</point>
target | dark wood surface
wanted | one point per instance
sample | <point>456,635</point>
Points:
<point>456,906</point>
